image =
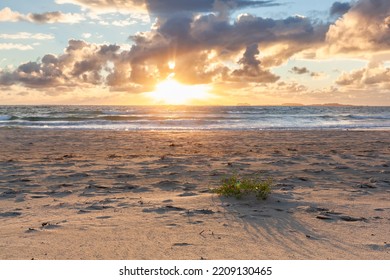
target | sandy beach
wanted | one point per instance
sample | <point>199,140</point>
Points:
<point>146,195</point>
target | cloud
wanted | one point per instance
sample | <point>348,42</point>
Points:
<point>250,70</point>
<point>339,8</point>
<point>6,14</point>
<point>86,35</point>
<point>211,31</point>
<point>169,7</point>
<point>122,23</point>
<point>304,70</point>
<point>11,46</point>
<point>26,35</point>
<point>369,77</point>
<point>363,29</point>
<point>191,39</point>
<point>163,8</point>
<point>387,21</point>
<point>55,17</point>
<point>318,75</point>
<point>207,48</point>
<point>81,64</point>
<point>299,70</point>
<point>108,6</point>
<point>369,83</point>
<point>288,89</point>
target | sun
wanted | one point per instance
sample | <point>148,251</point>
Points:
<point>171,65</point>
<point>171,92</point>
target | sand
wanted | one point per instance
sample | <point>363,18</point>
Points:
<point>146,195</point>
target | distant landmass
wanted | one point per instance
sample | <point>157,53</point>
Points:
<point>243,104</point>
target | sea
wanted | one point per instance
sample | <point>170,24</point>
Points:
<point>196,117</point>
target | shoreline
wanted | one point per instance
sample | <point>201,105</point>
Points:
<point>145,194</point>
<point>168,130</point>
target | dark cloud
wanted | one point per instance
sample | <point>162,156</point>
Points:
<point>304,70</point>
<point>49,59</point>
<point>32,74</point>
<point>29,68</point>
<point>300,70</point>
<point>182,38</point>
<point>250,70</point>
<point>7,14</point>
<point>249,59</point>
<point>45,17</point>
<point>211,32</point>
<point>316,74</point>
<point>54,17</point>
<point>339,8</point>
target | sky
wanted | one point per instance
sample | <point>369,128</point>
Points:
<point>200,52</point>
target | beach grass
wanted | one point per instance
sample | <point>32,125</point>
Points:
<point>238,186</point>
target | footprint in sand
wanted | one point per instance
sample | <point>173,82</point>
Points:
<point>9,194</point>
<point>168,184</point>
<point>187,194</point>
<point>164,209</point>
<point>98,207</point>
<point>10,214</point>
<point>172,225</point>
<point>46,226</point>
<point>182,244</point>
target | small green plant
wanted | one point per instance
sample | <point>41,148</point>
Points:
<point>238,186</point>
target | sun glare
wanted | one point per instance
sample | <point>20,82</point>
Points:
<point>171,65</point>
<point>171,92</point>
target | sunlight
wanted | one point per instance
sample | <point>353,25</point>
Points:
<point>171,65</point>
<point>171,92</point>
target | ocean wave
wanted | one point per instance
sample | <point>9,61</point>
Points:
<point>195,118</point>
<point>5,117</point>
<point>118,118</point>
<point>370,117</point>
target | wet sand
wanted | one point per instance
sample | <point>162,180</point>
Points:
<point>146,195</point>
